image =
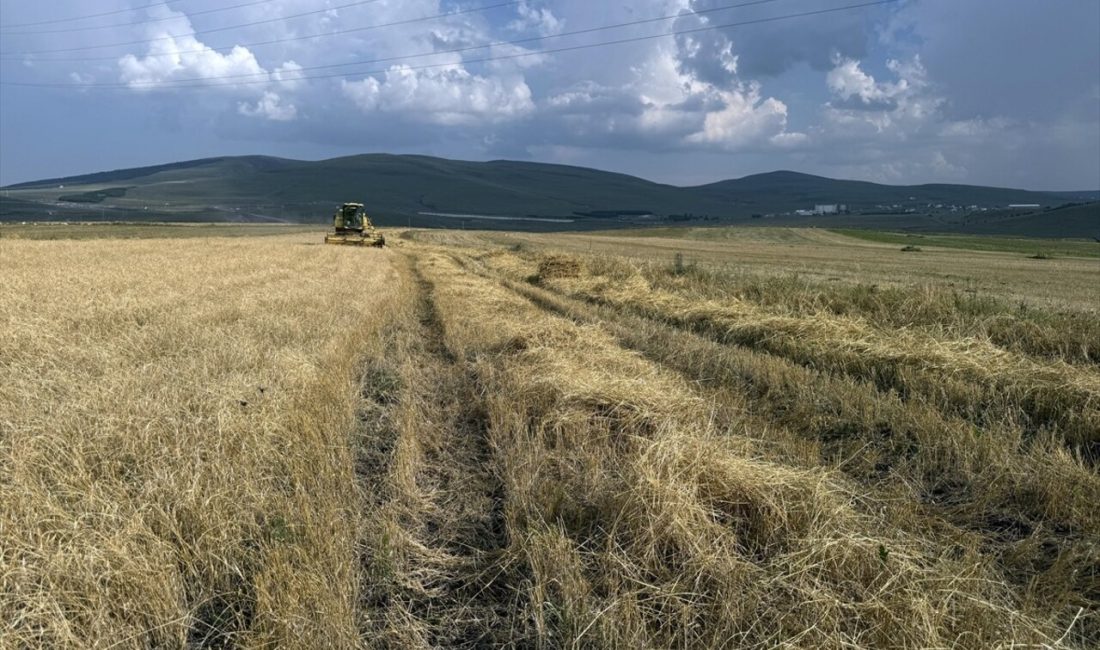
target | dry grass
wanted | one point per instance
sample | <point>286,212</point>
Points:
<point>558,266</point>
<point>969,376</point>
<point>1028,507</point>
<point>1072,336</point>
<point>432,536</point>
<point>175,465</point>
<point>828,257</point>
<point>644,525</point>
<point>255,443</point>
<point>1013,497</point>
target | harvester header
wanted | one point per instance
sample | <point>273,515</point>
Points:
<point>352,227</point>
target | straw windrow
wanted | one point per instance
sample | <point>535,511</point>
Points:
<point>640,522</point>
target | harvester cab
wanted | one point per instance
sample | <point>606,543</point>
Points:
<point>351,226</point>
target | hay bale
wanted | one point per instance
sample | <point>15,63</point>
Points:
<point>559,266</point>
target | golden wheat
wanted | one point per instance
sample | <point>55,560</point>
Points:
<point>970,375</point>
<point>174,422</point>
<point>643,526</point>
<point>1022,500</point>
<point>266,443</point>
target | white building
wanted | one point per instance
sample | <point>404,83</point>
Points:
<point>830,208</point>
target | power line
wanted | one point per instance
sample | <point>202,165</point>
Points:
<point>207,31</point>
<point>188,83</point>
<point>468,48</point>
<point>519,41</point>
<point>86,16</point>
<point>289,39</point>
<point>147,21</point>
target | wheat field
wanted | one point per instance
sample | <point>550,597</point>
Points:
<point>476,440</point>
<point>175,460</point>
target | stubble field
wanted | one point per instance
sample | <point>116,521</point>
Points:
<point>777,438</point>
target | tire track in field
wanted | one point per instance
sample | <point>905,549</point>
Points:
<point>433,553</point>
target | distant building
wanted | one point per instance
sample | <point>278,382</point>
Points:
<point>1024,206</point>
<point>830,208</point>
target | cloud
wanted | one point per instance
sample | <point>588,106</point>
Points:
<point>855,89</point>
<point>729,116</point>
<point>270,107</point>
<point>771,48</point>
<point>1026,60</point>
<point>289,75</point>
<point>914,91</point>
<point>539,19</point>
<point>176,54</point>
<point>862,104</point>
<point>662,106</point>
<point>746,119</point>
<point>705,55</point>
<point>446,96</point>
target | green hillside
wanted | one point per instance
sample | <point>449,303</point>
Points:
<point>426,191</point>
<point>786,190</point>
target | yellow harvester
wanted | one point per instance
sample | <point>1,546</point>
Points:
<point>351,226</point>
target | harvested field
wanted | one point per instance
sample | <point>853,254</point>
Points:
<point>175,422</point>
<point>483,440</point>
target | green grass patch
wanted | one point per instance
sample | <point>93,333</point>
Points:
<point>766,234</point>
<point>96,196</point>
<point>1024,245</point>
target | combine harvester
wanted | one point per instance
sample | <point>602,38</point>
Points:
<point>352,227</point>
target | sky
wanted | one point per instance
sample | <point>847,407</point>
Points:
<point>988,92</point>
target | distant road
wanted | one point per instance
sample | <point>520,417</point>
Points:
<point>451,215</point>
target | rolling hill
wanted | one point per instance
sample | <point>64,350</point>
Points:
<point>427,191</point>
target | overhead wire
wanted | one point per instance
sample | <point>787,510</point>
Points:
<point>224,28</point>
<point>203,81</point>
<point>147,21</point>
<point>290,39</point>
<point>54,21</point>
<point>526,40</point>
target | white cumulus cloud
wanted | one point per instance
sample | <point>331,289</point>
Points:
<point>669,105</point>
<point>270,107</point>
<point>289,75</point>
<point>448,96</point>
<point>860,103</point>
<point>745,119</point>
<point>175,53</point>
<point>848,81</point>
<point>540,19</point>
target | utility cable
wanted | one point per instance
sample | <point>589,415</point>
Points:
<point>339,32</point>
<point>55,21</point>
<point>190,83</point>
<point>147,21</point>
<point>225,28</point>
<point>467,48</point>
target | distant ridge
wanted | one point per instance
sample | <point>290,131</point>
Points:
<point>412,188</point>
<point>138,172</point>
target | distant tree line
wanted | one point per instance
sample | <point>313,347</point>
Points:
<point>97,196</point>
